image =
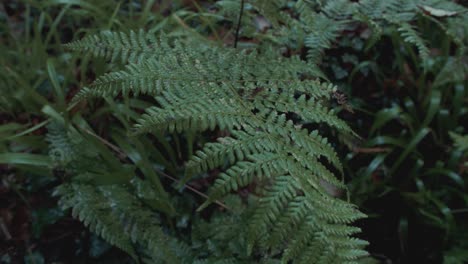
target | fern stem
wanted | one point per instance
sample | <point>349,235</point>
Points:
<point>239,23</point>
<point>123,155</point>
<point>192,189</point>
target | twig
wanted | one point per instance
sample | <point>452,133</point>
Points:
<point>60,237</point>
<point>370,150</point>
<point>239,23</point>
<point>123,155</point>
<point>4,229</point>
<point>192,189</point>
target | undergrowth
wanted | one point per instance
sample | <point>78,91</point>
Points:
<point>221,132</point>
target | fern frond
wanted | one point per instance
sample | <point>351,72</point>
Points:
<point>90,207</point>
<point>309,110</point>
<point>115,214</point>
<point>183,65</point>
<point>323,31</point>
<point>281,212</point>
<point>187,112</point>
<point>339,9</point>
<point>131,47</point>
<point>61,150</point>
<point>262,101</point>
<point>143,227</point>
<point>393,10</point>
<point>411,36</point>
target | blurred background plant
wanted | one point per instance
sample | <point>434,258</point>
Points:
<point>408,171</point>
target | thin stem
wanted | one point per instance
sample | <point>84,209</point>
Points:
<point>457,211</point>
<point>239,23</point>
<point>123,155</point>
<point>192,189</point>
<point>4,229</point>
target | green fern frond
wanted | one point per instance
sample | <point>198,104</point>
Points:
<point>392,10</point>
<point>411,36</point>
<point>269,9</point>
<point>185,112</point>
<point>132,47</point>
<point>228,150</point>
<point>281,212</point>
<point>262,101</point>
<point>323,31</point>
<point>322,21</point>
<point>61,150</point>
<point>308,109</point>
<point>339,9</point>
<point>143,227</point>
<point>183,65</point>
<point>91,208</point>
<point>115,214</point>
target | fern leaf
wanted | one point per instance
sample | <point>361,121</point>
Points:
<point>262,101</point>
<point>323,32</point>
<point>411,36</point>
<point>183,114</point>
<point>119,218</point>
<point>131,47</point>
<point>93,210</point>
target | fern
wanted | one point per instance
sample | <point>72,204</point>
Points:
<point>133,47</point>
<point>323,31</point>
<point>321,22</point>
<point>411,36</point>
<point>115,214</point>
<point>263,100</point>
<point>269,9</point>
<point>264,103</point>
<point>90,207</point>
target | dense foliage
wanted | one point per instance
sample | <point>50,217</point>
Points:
<point>221,132</point>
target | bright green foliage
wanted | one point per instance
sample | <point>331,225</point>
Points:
<point>252,96</point>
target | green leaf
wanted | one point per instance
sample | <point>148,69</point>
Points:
<point>384,116</point>
<point>25,159</point>
<point>373,165</point>
<point>410,147</point>
<point>434,107</point>
<point>55,83</point>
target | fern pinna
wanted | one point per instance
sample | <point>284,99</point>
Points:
<point>263,101</point>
